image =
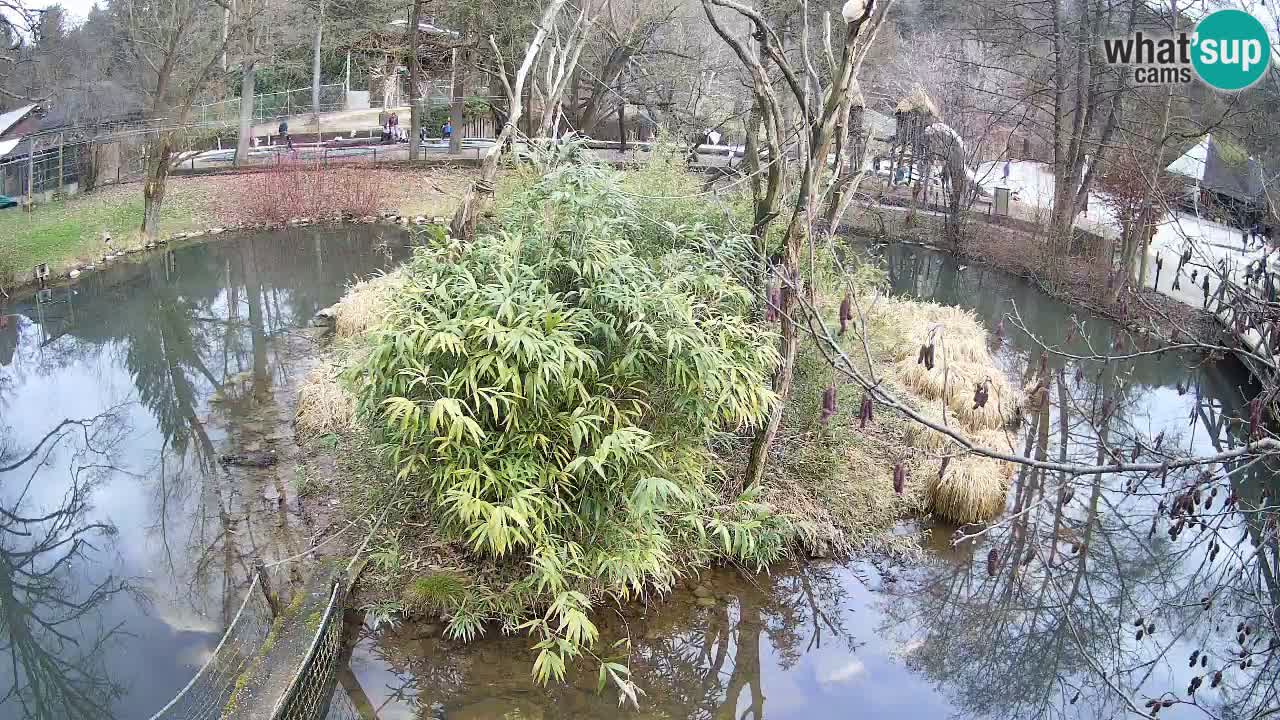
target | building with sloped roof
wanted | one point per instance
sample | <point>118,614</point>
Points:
<point>1222,181</point>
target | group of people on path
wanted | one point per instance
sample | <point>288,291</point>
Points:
<point>393,132</point>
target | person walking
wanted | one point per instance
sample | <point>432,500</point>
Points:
<point>284,133</point>
<point>393,124</point>
<point>446,130</point>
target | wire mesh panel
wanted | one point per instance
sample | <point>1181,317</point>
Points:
<point>309,695</point>
<point>211,689</point>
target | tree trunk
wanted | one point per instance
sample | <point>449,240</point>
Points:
<point>458,92</point>
<point>315,72</point>
<point>248,86</point>
<point>415,114</point>
<point>153,187</point>
<point>479,195</point>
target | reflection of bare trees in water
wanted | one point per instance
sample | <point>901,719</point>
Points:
<point>690,661</point>
<point>1093,591</point>
<point>49,610</point>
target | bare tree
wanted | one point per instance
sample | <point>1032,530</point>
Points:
<point>819,114</point>
<point>177,47</point>
<point>480,194</point>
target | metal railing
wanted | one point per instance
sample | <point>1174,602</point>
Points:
<point>310,693</point>
<point>209,692</point>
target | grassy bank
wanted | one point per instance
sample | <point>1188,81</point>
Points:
<point>68,233</point>
<point>564,408</point>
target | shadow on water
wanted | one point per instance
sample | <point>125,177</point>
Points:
<point>1046,627</point>
<point>124,544</point>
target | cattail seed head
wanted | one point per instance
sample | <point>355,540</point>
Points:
<point>899,478</point>
<point>993,559</point>
<point>980,395</point>
<point>846,312</point>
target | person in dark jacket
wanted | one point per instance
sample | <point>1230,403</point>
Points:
<point>284,133</point>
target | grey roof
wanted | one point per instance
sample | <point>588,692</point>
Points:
<point>1221,167</point>
<point>1241,179</point>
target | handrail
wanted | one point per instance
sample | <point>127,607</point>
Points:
<point>214,655</point>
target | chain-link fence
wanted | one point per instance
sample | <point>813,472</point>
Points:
<point>310,693</point>
<point>208,693</point>
<point>333,97</point>
<point>42,167</point>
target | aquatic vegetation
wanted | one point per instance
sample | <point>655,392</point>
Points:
<point>549,393</point>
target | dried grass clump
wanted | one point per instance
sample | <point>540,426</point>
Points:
<point>324,406</point>
<point>366,304</point>
<point>849,509</point>
<point>972,490</point>
<point>963,362</point>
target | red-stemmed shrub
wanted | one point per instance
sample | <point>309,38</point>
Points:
<point>295,189</point>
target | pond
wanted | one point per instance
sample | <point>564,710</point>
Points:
<point>1049,630</point>
<point>124,544</point>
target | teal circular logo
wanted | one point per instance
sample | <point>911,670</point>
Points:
<point>1231,50</point>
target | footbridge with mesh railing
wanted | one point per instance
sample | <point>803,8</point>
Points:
<point>280,660</point>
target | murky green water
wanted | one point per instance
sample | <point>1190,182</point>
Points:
<point>1054,637</point>
<point>124,544</point>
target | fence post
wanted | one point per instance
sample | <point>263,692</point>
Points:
<point>61,178</point>
<point>265,584</point>
<point>31,171</point>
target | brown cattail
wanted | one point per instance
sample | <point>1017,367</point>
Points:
<point>828,405</point>
<point>899,478</point>
<point>1139,635</point>
<point>993,559</point>
<point>1217,679</point>
<point>846,312</point>
<point>1204,660</point>
<point>864,412</point>
<point>1195,683</point>
<point>1195,658</point>
<point>1255,418</point>
<point>980,395</point>
<point>1139,622</point>
<point>1151,628</point>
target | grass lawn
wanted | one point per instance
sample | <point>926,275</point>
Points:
<point>66,232</point>
<point>69,232</point>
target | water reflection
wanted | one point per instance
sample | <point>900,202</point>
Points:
<point>1090,598</point>
<point>55,635</point>
<point>196,352</point>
